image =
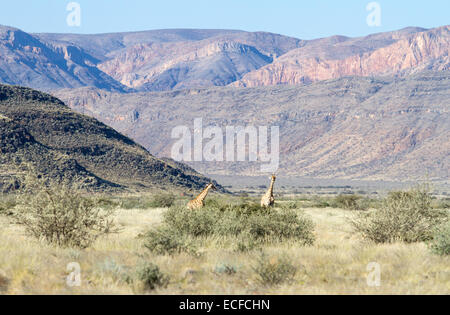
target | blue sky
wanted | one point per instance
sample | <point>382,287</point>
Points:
<point>298,18</point>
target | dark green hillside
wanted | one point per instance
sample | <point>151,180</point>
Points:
<point>39,129</point>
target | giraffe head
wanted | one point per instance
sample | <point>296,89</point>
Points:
<point>273,177</point>
<point>211,186</point>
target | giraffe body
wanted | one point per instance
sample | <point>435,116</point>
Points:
<point>268,200</point>
<point>199,202</point>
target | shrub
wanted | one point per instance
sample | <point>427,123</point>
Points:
<point>163,240</point>
<point>280,225</point>
<point>349,202</point>
<point>442,204</point>
<point>251,224</point>
<point>191,223</point>
<point>318,202</point>
<point>245,242</point>
<point>59,215</point>
<point>441,240</point>
<point>404,216</point>
<point>225,269</point>
<point>275,270</point>
<point>163,200</point>
<point>107,203</point>
<point>151,277</point>
<point>246,220</point>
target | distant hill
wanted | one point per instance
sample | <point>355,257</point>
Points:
<point>39,129</point>
<point>383,128</point>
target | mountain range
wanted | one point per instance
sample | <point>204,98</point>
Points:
<point>163,60</point>
<point>373,107</point>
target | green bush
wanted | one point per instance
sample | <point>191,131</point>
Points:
<point>151,277</point>
<point>59,215</point>
<point>163,240</point>
<point>191,223</point>
<point>163,200</point>
<point>441,240</point>
<point>349,202</point>
<point>404,216</point>
<point>275,270</point>
<point>249,223</point>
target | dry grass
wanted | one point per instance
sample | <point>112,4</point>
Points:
<point>335,264</point>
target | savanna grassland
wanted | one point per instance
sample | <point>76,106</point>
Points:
<point>307,246</point>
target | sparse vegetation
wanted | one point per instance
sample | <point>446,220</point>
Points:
<point>405,216</point>
<point>349,202</point>
<point>274,270</point>
<point>7,203</point>
<point>59,215</point>
<point>151,277</point>
<point>441,239</point>
<point>163,200</point>
<point>226,269</point>
<point>335,263</point>
<point>156,200</point>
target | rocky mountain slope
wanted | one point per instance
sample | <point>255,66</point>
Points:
<point>354,127</point>
<point>396,53</point>
<point>39,129</point>
<point>26,60</point>
<point>151,60</point>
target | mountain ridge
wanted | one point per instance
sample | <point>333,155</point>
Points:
<point>161,60</point>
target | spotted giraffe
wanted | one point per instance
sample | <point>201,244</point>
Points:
<point>199,202</point>
<point>267,200</point>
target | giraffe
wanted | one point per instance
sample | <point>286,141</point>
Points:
<point>267,200</point>
<point>198,202</point>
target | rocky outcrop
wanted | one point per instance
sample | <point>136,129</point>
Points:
<point>398,54</point>
<point>174,65</point>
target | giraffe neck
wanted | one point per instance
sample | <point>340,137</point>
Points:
<point>203,194</point>
<point>270,191</point>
